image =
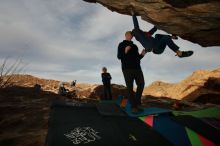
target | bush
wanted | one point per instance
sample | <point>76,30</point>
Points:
<point>7,72</point>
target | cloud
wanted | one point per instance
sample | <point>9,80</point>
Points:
<point>70,39</point>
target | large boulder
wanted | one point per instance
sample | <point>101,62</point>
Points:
<point>195,20</point>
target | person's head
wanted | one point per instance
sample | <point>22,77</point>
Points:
<point>174,36</point>
<point>104,69</point>
<point>128,35</point>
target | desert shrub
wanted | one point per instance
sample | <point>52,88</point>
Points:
<point>8,70</point>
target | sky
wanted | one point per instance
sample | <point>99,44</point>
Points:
<point>72,40</point>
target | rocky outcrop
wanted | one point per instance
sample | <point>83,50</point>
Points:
<point>195,20</point>
<point>116,91</point>
<point>201,85</point>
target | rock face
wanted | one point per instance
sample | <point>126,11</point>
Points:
<point>195,20</point>
<point>201,85</point>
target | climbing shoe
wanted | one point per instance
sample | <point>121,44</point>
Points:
<point>186,54</point>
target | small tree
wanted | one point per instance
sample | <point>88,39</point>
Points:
<point>7,72</point>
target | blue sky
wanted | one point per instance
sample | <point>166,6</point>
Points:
<point>72,39</point>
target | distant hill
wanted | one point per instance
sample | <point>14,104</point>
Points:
<point>83,90</point>
<point>201,84</point>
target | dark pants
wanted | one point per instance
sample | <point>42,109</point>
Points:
<point>146,42</point>
<point>130,76</point>
<point>107,92</point>
<point>161,41</point>
<point>158,43</point>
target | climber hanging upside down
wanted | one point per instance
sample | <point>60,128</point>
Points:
<point>158,43</point>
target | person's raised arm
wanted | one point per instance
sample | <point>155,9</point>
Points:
<point>135,21</point>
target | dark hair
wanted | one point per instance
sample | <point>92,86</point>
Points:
<point>104,69</point>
